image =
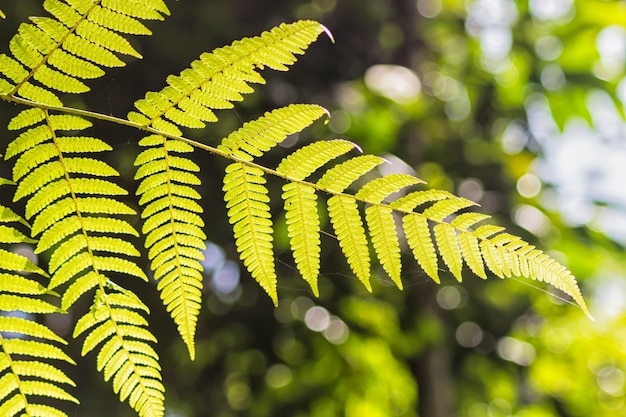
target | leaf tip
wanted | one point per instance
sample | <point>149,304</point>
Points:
<point>192,351</point>
<point>586,311</point>
<point>314,288</point>
<point>328,33</point>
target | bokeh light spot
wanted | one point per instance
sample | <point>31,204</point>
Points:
<point>450,298</point>
<point>514,139</point>
<point>278,375</point>
<point>340,121</point>
<point>548,47</point>
<point>552,77</point>
<point>528,185</point>
<point>317,319</point>
<point>517,351</point>
<point>337,331</point>
<point>395,82</point>
<point>611,380</point>
<point>429,8</point>
<point>550,9</point>
<point>469,334</point>
<point>531,219</point>
<point>226,278</point>
<point>472,189</point>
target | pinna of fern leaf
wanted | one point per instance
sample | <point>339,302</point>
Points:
<point>27,373</point>
<point>246,200</point>
<point>173,228</point>
<point>58,52</point>
<point>217,79</point>
<point>125,355</point>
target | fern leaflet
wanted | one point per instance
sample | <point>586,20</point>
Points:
<point>125,356</point>
<point>246,200</point>
<point>218,78</point>
<point>303,224</point>
<point>26,349</point>
<point>56,54</point>
<point>173,228</point>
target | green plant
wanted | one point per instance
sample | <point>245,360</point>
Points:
<point>76,219</point>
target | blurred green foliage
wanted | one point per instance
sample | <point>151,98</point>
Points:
<point>474,97</point>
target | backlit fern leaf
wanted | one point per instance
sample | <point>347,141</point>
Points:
<point>76,219</point>
<point>339,177</point>
<point>471,253</point>
<point>65,214</point>
<point>419,238</point>
<point>445,236</point>
<point>303,227</point>
<point>218,78</point>
<point>246,200</point>
<point>125,356</point>
<point>26,347</point>
<point>346,220</point>
<point>259,136</point>
<point>56,54</point>
<point>173,228</point>
<point>213,82</point>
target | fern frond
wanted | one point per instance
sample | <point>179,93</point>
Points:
<point>246,200</point>
<point>76,219</point>
<point>59,52</point>
<point>303,228</point>
<point>114,323</point>
<point>346,220</point>
<point>445,236</point>
<point>255,138</point>
<point>306,160</point>
<point>339,177</point>
<point>218,78</point>
<point>213,82</point>
<point>173,228</point>
<point>24,364</point>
